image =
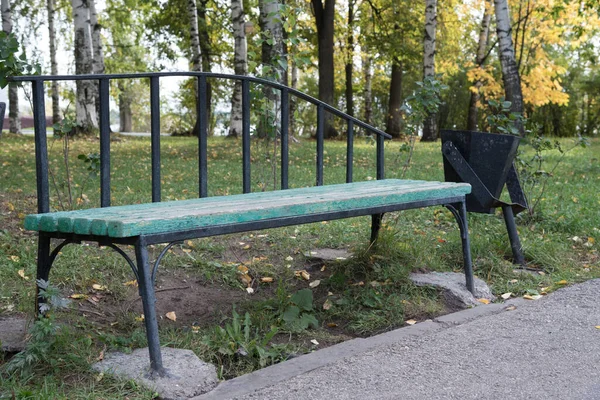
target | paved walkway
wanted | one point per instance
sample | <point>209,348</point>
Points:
<point>543,349</point>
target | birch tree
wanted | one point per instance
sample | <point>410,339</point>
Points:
<point>13,94</point>
<point>194,37</point>
<point>56,117</point>
<point>430,124</point>
<point>472,118</point>
<point>510,71</point>
<point>240,63</point>
<point>85,107</point>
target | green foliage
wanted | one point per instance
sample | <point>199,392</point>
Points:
<point>12,64</point>
<point>42,333</point>
<point>298,315</point>
<point>502,120</point>
<point>241,340</point>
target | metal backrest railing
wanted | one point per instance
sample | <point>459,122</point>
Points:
<point>41,149</point>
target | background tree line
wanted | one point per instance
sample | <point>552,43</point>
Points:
<point>362,56</point>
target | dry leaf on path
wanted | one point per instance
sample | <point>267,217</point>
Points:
<point>171,315</point>
<point>506,296</point>
<point>532,297</point>
<point>411,321</point>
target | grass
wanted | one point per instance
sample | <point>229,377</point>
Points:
<point>368,294</point>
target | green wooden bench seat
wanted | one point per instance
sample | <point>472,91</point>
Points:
<point>187,215</point>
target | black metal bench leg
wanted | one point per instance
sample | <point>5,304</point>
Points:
<point>375,226</point>
<point>460,213</point>
<point>513,235</point>
<point>148,302</point>
<point>44,264</point>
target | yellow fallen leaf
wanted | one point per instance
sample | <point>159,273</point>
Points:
<point>314,283</point>
<point>302,274</point>
<point>323,268</point>
<point>289,258</point>
<point>97,286</point>
<point>510,308</point>
<point>246,247</point>
<point>15,258</point>
<point>245,278</point>
<point>532,297</point>
<point>140,318</point>
<point>411,322</point>
<point>242,269</point>
<point>506,296</point>
<point>575,200</point>
<point>591,240</point>
<point>78,296</point>
<point>266,279</point>
<point>562,282</point>
<point>327,305</point>
<point>130,283</point>
<point>21,273</point>
<point>10,206</point>
<point>332,325</point>
<point>597,326</point>
<point>171,315</point>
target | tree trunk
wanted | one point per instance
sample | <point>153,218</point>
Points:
<point>85,103</point>
<point>394,114</point>
<point>240,63</point>
<point>194,37</point>
<point>97,53</point>
<point>274,57</point>
<point>430,129</point>
<point>368,93</point>
<point>125,114</point>
<point>324,17</point>
<point>350,59</point>
<point>56,117</point>
<point>510,72</point>
<point>205,55</point>
<point>14,116</point>
<point>294,100</point>
<point>472,119</point>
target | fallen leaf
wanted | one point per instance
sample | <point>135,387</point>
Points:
<point>97,286</point>
<point>314,283</point>
<point>562,282</point>
<point>506,296</point>
<point>140,318</point>
<point>21,273</point>
<point>15,258</point>
<point>411,322</point>
<point>302,274</point>
<point>78,296</point>
<point>245,278</point>
<point>361,283</point>
<point>513,281</point>
<point>266,279</point>
<point>597,326</point>
<point>289,258</point>
<point>130,283</point>
<point>332,325</point>
<point>323,268</point>
<point>314,341</point>
<point>327,305</point>
<point>510,308</point>
<point>532,297</point>
<point>484,301</point>
<point>246,247</point>
<point>242,269</point>
<point>171,315</point>
<point>249,290</point>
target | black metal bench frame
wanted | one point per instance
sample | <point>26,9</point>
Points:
<point>145,274</point>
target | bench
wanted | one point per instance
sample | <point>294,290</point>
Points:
<point>141,225</point>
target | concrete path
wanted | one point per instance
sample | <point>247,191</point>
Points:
<point>522,349</point>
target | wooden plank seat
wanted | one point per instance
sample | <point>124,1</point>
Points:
<point>313,203</point>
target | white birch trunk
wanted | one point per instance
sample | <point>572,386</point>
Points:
<point>430,123</point>
<point>56,117</point>
<point>240,66</point>
<point>14,116</point>
<point>98,53</point>
<point>194,39</point>
<point>86,103</point>
<point>510,72</point>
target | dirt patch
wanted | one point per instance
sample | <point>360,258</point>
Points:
<point>13,208</point>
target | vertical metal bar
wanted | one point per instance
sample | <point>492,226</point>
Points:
<point>320,117</point>
<point>380,157</point>
<point>43,268</point>
<point>202,136</point>
<point>41,146</point>
<point>349,150</point>
<point>466,245</point>
<point>513,235</point>
<point>104,124</point>
<point>285,123</point>
<point>149,306</point>
<point>155,137</point>
<point>246,136</point>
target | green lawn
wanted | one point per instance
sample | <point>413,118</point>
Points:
<point>200,280</point>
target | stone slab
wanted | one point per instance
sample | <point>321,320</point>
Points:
<point>328,254</point>
<point>454,288</point>
<point>187,376</point>
<point>13,331</point>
